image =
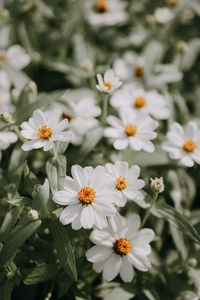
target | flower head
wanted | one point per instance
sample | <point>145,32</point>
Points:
<point>109,83</point>
<point>7,138</point>
<point>184,143</point>
<point>16,57</point>
<point>89,197</point>
<point>157,185</point>
<point>120,247</point>
<point>163,15</point>
<point>135,129</point>
<point>43,130</point>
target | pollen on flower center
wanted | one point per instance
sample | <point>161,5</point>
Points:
<point>102,6</point>
<point>189,145</point>
<point>138,71</point>
<point>108,85</point>
<point>45,133</point>
<point>122,246</point>
<point>130,129</point>
<point>121,183</point>
<point>3,57</point>
<point>140,101</point>
<point>86,195</point>
<point>66,116</point>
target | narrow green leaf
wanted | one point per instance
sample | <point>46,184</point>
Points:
<point>39,274</point>
<point>56,172</point>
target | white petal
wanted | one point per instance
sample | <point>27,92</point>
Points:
<point>34,144</point>
<point>98,253</point>
<point>187,161</point>
<point>78,175</point>
<point>142,263</point>
<point>126,271</point>
<point>64,198</point>
<point>87,216</point>
<point>69,213</point>
<point>121,144</point>
<point>112,267</point>
<point>102,237</point>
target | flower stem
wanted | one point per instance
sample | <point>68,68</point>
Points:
<point>16,130</point>
<point>105,109</point>
<point>146,216</point>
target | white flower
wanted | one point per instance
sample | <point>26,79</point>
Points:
<point>129,67</point>
<point>163,15</point>
<point>33,214</point>
<point>157,185</point>
<point>5,102</point>
<point>7,138</point>
<point>184,143</point>
<point>126,183</point>
<point>120,247</point>
<point>15,56</point>
<point>135,129</point>
<point>43,130</point>
<point>89,197</point>
<point>5,82</point>
<point>81,116</point>
<point>106,12</point>
<point>150,102</point>
<point>109,83</point>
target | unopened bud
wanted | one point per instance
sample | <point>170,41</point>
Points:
<point>157,185</point>
<point>33,214</point>
<point>6,117</point>
<point>10,275</point>
<point>192,262</point>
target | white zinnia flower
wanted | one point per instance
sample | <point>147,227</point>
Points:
<point>163,15</point>
<point>109,83</point>
<point>184,143</point>
<point>7,138</point>
<point>120,247</point>
<point>81,116</point>
<point>135,129</point>
<point>16,56</point>
<point>43,130</point>
<point>106,12</point>
<point>89,197</point>
<point>126,183</point>
<point>150,102</point>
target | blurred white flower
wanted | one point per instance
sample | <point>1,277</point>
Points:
<point>129,67</point>
<point>89,197</point>
<point>183,143</point>
<point>120,247</point>
<point>157,185</point>
<point>135,129</point>
<point>81,116</point>
<point>16,56</point>
<point>150,102</point>
<point>43,130</point>
<point>7,138</point>
<point>163,15</point>
<point>109,83</point>
<point>107,12</point>
<point>5,82</point>
<point>126,183</point>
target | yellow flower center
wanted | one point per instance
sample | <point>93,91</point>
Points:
<point>108,85</point>
<point>66,116</point>
<point>122,246</point>
<point>86,195</point>
<point>3,57</point>
<point>121,183</point>
<point>138,71</point>
<point>130,129</point>
<point>189,145</point>
<point>45,133</point>
<point>102,6</point>
<point>140,101</point>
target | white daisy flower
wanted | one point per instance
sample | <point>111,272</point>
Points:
<point>163,15</point>
<point>7,138</point>
<point>150,102</point>
<point>81,119</point>
<point>43,130</point>
<point>89,196</point>
<point>184,143</point>
<point>106,12</point>
<point>109,83</point>
<point>120,247</point>
<point>129,67</point>
<point>126,183</point>
<point>16,56</point>
<point>135,129</point>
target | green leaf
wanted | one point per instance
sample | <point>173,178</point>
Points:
<point>176,219</point>
<point>17,240</point>
<point>91,140</point>
<point>56,172</point>
<point>39,274</point>
<point>179,242</point>
<point>30,180</point>
<point>64,248</point>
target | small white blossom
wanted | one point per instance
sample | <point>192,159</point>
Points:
<point>7,138</point>
<point>109,83</point>
<point>183,143</point>
<point>120,247</point>
<point>5,117</point>
<point>89,197</point>
<point>16,56</point>
<point>135,129</point>
<point>33,214</point>
<point>43,130</point>
<point>163,15</point>
<point>157,185</point>
<point>126,183</point>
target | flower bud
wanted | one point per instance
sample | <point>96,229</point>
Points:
<point>5,117</point>
<point>33,214</point>
<point>157,185</point>
<point>192,262</point>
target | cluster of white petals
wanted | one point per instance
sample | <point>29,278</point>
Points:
<point>109,83</point>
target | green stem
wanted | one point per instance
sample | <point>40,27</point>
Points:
<point>16,130</point>
<point>148,212</point>
<point>105,109</point>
